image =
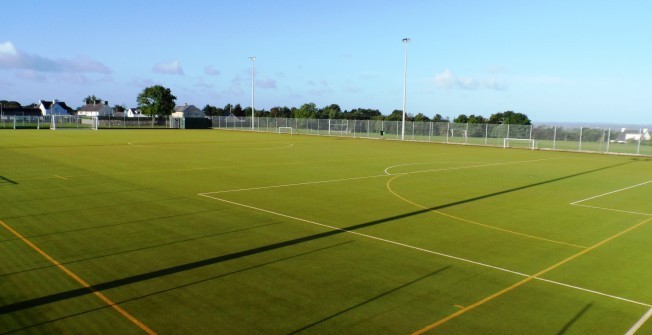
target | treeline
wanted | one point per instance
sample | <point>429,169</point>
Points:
<point>334,111</point>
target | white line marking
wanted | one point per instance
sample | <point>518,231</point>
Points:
<point>374,176</point>
<point>640,323</point>
<point>612,192</point>
<point>614,210</point>
<point>60,177</point>
<point>577,203</point>
<point>462,167</point>
<point>422,249</point>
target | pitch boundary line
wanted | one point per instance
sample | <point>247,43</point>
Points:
<point>577,203</point>
<point>405,245</point>
<point>79,280</point>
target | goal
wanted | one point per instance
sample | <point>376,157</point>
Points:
<point>95,122</point>
<point>339,128</point>
<point>285,130</point>
<point>519,143</point>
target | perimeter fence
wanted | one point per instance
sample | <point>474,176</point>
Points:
<point>81,122</point>
<point>633,140</point>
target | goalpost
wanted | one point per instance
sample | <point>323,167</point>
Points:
<point>95,122</point>
<point>338,127</point>
<point>285,130</point>
<point>519,143</point>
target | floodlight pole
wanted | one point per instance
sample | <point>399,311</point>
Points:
<point>405,41</point>
<point>253,73</point>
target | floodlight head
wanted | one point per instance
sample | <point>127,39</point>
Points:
<point>406,40</point>
<point>252,58</point>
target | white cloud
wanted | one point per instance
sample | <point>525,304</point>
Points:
<point>445,79</point>
<point>14,59</point>
<point>173,67</point>
<point>448,80</point>
<point>211,71</point>
<point>266,83</point>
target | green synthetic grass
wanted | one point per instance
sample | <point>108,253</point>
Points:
<point>224,232</point>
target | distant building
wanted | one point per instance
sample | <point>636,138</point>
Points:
<point>629,135</point>
<point>187,111</point>
<point>134,112</point>
<point>54,107</point>
<point>96,109</point>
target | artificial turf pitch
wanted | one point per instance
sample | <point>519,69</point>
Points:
<point>224,232</point>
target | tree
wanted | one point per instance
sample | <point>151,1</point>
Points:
<point>509,117</point>
<point>306,111</point>
<point>332,111</point>
<point>477,119</point>
<point>92,99</point>
<point>9,104</point>
<point>156,101</point>
<point>462,118</point>
<point>278,111</point>
<point>397,115</point>
<point>439,118</point>
<point>238,111</point>
<point>421,118</point>
<point>210,110</point>
<point>119,109</point>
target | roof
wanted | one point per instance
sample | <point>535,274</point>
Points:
<point>184,108</point>
<point>46,104</point>
<point>91,107</point>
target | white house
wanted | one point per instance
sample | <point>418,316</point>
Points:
<point>96,109</point>
<point>186,111</point>
<point>627,135</point>
<point>134,112</point>
<point>54,107</point>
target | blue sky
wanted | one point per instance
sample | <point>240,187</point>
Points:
<point>563,61</point>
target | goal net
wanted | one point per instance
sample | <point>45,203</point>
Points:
<point>285,130</point>
<point>339,128</point>
<point>525,143</point>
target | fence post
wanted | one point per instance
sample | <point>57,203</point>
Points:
<point>486,133</point>
<point>608,138</point>
<point>640,137</point>
<point>580,149</point>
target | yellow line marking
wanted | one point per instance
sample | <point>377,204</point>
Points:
<point>530,278</point>
<point>433,252</point>
<point>389,188</point>
<point>80,281</point>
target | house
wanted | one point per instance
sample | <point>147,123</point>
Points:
<point>187,111</point>
<point>54,107</point>
<point>134,112</point>
<point>631,135</point>
<point>96,109</point>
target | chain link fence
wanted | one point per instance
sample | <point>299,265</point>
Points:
<point>609,139</point>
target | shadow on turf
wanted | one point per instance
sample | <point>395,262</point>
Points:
<point>7,181</point>
<point>145,248</point>
<point>223,258</point>
<point>574,319</point>
<point>181,286</point>
<point>370,300</point>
